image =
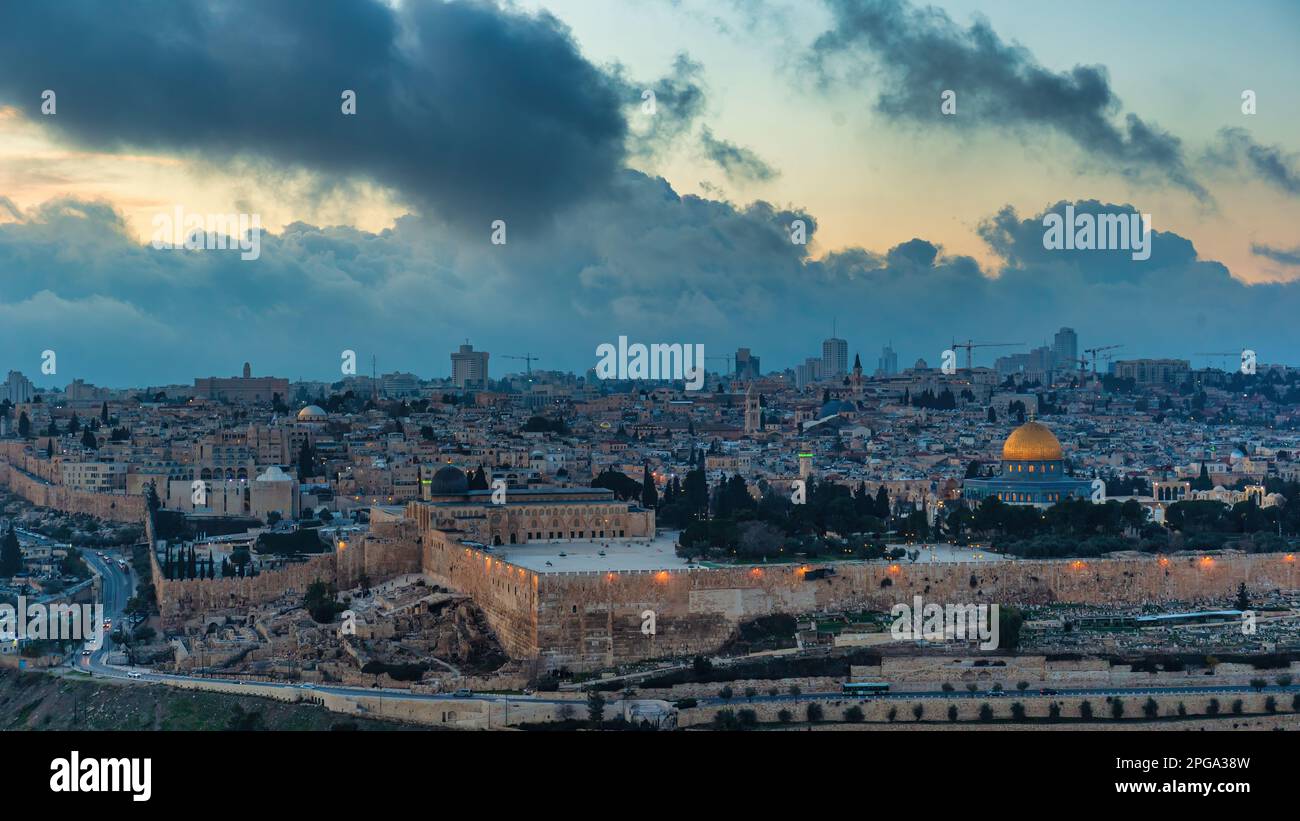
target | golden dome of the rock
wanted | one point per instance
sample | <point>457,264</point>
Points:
<point>1031,442</point>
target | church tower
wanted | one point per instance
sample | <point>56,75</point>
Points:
<point>753,411</point>
<point>856,380</point>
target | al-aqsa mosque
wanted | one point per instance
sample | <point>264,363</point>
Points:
<point>1033,471</point>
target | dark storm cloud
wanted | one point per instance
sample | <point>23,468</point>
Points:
<point>740,164</point>
<point>918,53</point>
<point>679,100</point>
<point>641,261</point>
<point>1236,148</point>
<point>467,111</point>
<point>1285,256</point>
<point>1020,243</point>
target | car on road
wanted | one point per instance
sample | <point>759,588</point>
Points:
<point>133,674</point>
<point>304,686</point>
<point>462,693</point>
<point>1047,691</point>
<point>85,652</point>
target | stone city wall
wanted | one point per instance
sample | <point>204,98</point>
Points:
<point>181,600</point>
<point>392,553</point>
<point>507,594</point>
<point>591,620</point>
<point>388,551</point>
<point>21,474</point>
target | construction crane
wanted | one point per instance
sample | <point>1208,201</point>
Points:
<point>970,347</point>
<point>528,358</point>
<point>731,367</point>
<point>1234,354</point>
<point>1082,362</point>
<point>1097,350</point>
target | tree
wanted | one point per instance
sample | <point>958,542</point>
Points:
<point>1117,708</point>
<point>1150,708</point>
<point>854,715</point>
<point>1243,598</point>
<point>882,504</point>
<point>1203,482</point>
<point>595,708</point>
<point>11,555</point>
<point>815,713</point>
<point>24,426</point>
<point>103,413</point>
<point>151,499</point>
<point>649,495</point>
<point>88,440</point>
<point>319,601</point>
<point>306,463</point>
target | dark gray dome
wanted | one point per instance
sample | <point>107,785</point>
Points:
<point>836,406</point>
<point>449,480</point>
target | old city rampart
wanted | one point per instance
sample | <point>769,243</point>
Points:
<point>34,479</point>
<point>597,619</point>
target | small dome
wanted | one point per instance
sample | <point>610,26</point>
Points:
<point>1032,442</point>
<point>312,412</point>
<point>274,474</point>
<point>449,481</point>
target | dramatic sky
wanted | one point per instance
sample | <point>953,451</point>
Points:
<point>664,226</point>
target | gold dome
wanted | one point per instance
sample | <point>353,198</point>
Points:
<point>1031,442</point>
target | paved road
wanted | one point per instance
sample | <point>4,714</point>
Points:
<point>116,588</point>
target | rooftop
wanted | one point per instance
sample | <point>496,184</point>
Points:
<point>583,556</point>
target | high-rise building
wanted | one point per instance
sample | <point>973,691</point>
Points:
<point>17,388</point>
<point>835,358</point>
<point>1036,364</point>
<point>746,365</point>
<point>807,373</point>
<point>1065,350</point>
<point>887,365</point>
<point>1153,371</point>
<point>469,368</point>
